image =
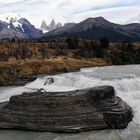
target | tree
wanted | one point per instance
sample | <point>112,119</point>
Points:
<point>72,43</point>
<point>97,49</point>
<point>137,56</point>
<point>44,51</point>
<point>61,50</point>
<point>16,51</point>
<point>104,42</point>
<point>128,47</point>
<point>3,56</point>
<point>24,51</point>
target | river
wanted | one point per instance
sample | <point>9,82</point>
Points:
<point>125,80</point>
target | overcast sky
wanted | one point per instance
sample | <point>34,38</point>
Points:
<point>120,11</point>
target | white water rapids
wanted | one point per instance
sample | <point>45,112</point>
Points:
<point>125,80</point>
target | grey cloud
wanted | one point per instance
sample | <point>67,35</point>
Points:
<point>65,3</point>
<point>65,10</point>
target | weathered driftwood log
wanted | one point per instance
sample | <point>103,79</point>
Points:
<point>80,110</point>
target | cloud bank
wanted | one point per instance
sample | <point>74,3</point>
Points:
<point>119,11</point>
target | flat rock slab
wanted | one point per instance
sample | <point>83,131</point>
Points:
<point>81,110</point>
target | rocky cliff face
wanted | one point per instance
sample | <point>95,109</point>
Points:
<point>44,26</point>
<point>52,26</point>
<point>89,109</point>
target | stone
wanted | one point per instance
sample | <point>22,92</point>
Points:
<point>49,81</point>
<point>22,81</point>
<point>74,111</point>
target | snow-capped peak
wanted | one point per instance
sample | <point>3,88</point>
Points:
<point>9,17</point>
<point>14,22</point>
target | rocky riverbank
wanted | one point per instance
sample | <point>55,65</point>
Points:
<point>21,81</point>
<point>20,73</point>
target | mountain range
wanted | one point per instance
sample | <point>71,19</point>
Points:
<point>17,27</point>
<point>95,28</point>
<point>91,28</point>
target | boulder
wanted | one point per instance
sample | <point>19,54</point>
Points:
<point>22,81</point>
<point>49,81</point>
<point>74,111</point>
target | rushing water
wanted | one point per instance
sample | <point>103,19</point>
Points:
<point>125,80</point>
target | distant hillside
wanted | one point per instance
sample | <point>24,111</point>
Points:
<point>95,28</point>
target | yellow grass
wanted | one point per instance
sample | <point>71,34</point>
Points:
<point>12,70</point>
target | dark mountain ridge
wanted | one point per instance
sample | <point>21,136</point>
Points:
<point>95,28</point>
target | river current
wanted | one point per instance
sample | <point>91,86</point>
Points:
<point>125,80</point>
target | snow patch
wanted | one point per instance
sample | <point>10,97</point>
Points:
<point>18,25</point>
<point>44,31</point>
<point>8,26</point>
<point>9,17</point>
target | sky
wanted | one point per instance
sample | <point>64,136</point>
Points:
<point>118,11</point>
